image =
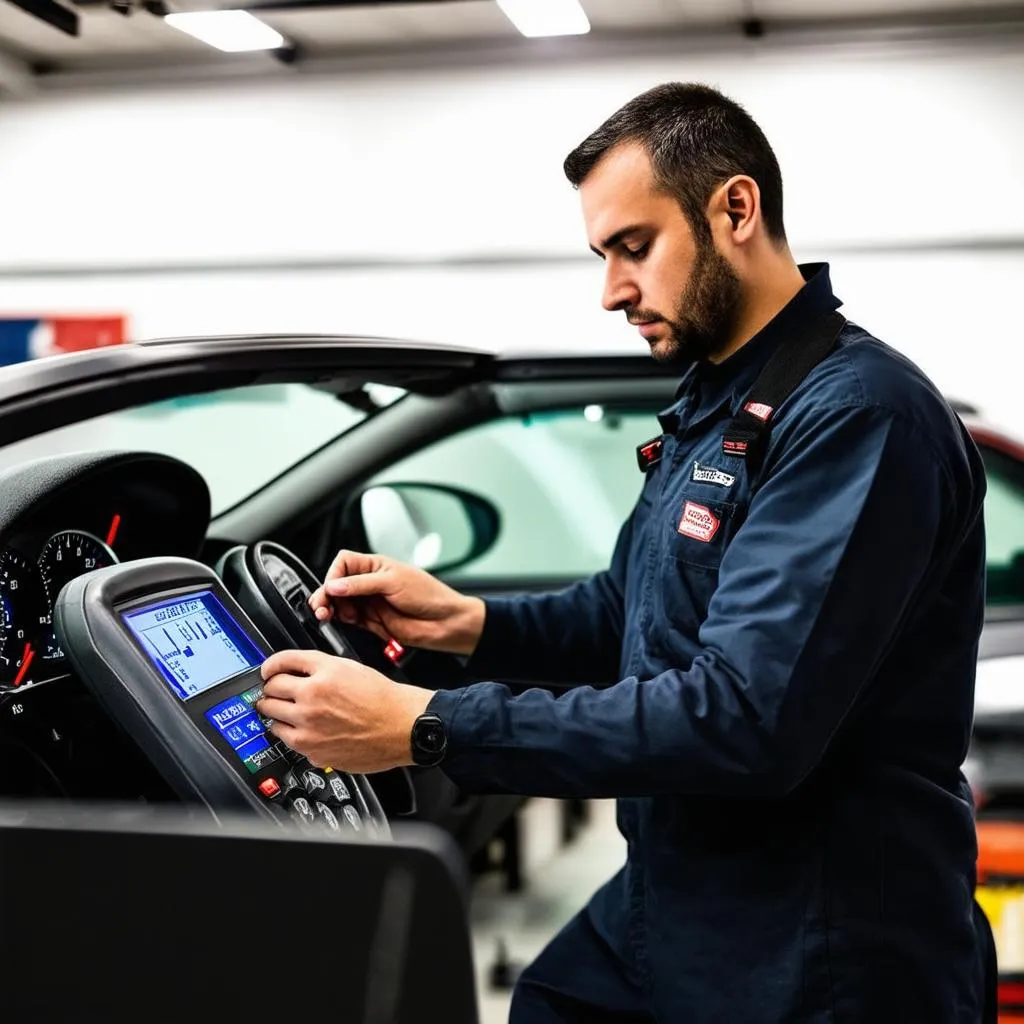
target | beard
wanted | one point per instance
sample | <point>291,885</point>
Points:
<point>706,314</point>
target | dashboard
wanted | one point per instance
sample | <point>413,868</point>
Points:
<point>63,517</point>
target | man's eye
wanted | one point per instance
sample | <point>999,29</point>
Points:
<point>638,254</point>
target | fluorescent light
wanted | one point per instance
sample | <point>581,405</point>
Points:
<point>230,31</point>
<point>546,17</point>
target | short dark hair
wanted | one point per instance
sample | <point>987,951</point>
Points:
<point>696,138</point>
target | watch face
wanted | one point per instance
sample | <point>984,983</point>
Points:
<point>429,740</point>
<point>432,737</point>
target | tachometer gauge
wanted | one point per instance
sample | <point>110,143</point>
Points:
<point>23,616</point>
<point>66,555</point>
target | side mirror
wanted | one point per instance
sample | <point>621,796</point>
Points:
<point>431,526</point>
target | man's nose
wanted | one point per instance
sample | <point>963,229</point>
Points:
<point>619,291</point>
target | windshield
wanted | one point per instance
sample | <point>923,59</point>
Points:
<point>238,439</point>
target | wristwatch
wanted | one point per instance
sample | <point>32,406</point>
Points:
<point>429,740</point>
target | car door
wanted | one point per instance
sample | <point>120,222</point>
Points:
<point>556,461</point>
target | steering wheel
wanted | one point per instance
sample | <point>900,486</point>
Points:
<point>273,585</point>
<point>284,583</point>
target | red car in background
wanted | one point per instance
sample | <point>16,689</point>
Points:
<point>995,765</point>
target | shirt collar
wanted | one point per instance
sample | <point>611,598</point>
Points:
<point>707,386</point>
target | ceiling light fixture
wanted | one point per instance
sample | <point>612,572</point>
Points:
<point>230,31</point>
<point>546,17</point>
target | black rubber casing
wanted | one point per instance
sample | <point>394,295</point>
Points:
<point>173,734</point>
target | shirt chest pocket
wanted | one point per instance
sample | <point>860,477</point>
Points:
<point>699,529</point>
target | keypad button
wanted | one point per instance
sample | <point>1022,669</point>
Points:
<point>326,816</point>
<point>337,792</point>
<point>352,817</point>
<point>251,696</point>
<point>270,788</point>
<point>301,811</point>
<point>314,783</point>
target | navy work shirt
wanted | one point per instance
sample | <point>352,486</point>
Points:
<point>776,679</point>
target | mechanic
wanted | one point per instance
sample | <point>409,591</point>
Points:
<point>775,676</point>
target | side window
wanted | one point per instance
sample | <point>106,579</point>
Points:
<point>238,439</point>
<point>562,482</point>
<point>1004,528</point>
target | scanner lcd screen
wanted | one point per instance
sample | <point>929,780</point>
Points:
<point>192,642</point>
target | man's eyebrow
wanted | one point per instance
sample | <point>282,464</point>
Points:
<point>613,240</point>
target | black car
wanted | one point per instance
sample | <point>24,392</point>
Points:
<point>497,474</point>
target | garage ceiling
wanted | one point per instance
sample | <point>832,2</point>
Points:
<point>342,29</point>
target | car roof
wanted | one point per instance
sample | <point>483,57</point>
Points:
<point>275,340</point>
<point>518,353</point>
<point>72,364</point>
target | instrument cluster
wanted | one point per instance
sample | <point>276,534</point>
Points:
<point>32,575</point>
<point>66,515</point>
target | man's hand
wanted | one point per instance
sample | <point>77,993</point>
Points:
<point>339,712</point>
<point>396,600</point>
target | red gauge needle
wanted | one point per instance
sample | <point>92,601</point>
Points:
<point>26,660</point>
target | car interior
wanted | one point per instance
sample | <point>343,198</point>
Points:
<point>510,477</point>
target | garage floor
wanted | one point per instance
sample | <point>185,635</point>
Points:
<point>559,881</point>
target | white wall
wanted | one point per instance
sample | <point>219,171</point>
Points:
<point>884,151</point>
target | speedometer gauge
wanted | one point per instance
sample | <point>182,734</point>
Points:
<point>22,619</point>
<point>67,555</point>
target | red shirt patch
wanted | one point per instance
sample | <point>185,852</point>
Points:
<point>760,410</point>
<point>698,522</point>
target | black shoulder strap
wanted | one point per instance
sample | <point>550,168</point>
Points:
<point>746,437</point>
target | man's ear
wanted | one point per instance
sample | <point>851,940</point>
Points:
<point>735,209</point>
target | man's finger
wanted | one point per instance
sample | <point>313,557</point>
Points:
<point>348,611</point>
<point>369,584</point>
<point>294,663</point>
<point>284,687</point>
<point>279,710</point>
<point>349,563</point>
<point>320,604</point>
<point>286,732</point>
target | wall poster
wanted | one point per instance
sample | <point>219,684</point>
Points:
<point>32,337</point>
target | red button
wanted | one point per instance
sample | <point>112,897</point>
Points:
<point>269,788</point>
<point>394,650</point>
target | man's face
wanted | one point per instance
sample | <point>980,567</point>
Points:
<point>676,287</point>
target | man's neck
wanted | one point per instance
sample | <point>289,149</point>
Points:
<point>765,297</point>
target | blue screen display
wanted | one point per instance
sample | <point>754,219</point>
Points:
<point>192,642</point>
<point>240,726</point>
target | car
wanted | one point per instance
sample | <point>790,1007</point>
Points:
<point>500,473</point>
<point>309,443</point>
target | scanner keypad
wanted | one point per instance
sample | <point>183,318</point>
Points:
<point>319,798</point>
